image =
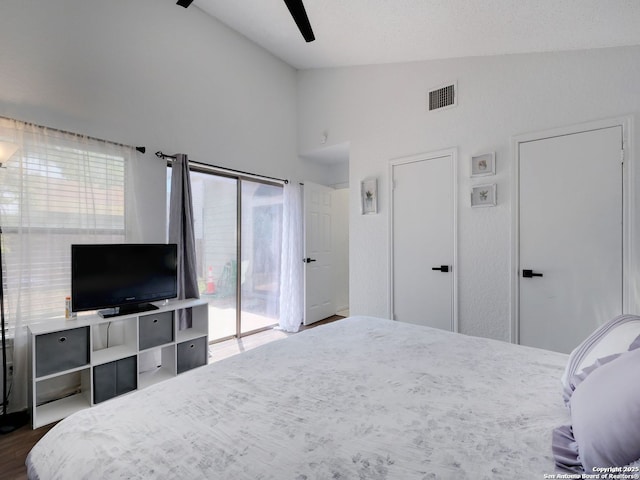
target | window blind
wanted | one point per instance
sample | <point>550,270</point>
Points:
<point>57,190</point>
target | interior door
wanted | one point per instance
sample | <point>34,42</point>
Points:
<point>424,241</point>
<point>570,234</point>
<point>319,302</point>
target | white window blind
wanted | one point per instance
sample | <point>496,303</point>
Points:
<point>57,189</point>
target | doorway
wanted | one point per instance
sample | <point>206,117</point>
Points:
<point>326,252</point>
<point>319,298</point>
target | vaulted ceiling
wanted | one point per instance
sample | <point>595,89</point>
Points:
<point>361,32</point>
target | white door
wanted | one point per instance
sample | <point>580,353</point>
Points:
<point>319,302</point>
<point>570,233</point>
<point>423,210</point>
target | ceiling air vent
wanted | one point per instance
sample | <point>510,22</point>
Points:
<point>442,97</point>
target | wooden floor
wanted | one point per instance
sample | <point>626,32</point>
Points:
<point>15,446</point>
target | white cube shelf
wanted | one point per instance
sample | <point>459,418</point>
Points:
<point>89,341</point>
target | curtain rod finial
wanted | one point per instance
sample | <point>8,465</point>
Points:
<point>141,149</point>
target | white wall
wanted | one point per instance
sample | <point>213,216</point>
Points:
<point>149,72</point>
<point>381,111</point>
<point>340,247</point>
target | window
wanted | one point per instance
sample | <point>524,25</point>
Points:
<point>58,189</point>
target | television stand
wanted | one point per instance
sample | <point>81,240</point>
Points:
<point>127,310</point>
<point>76,364</point>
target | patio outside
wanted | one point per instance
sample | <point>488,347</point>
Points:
<point>222,316</point>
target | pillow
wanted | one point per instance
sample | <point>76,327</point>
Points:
<point>605,414</point>
<point>571,384</point>
<point>613,337</point>
<point>578,378</point>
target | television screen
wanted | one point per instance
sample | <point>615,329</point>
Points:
<point>122,277</point>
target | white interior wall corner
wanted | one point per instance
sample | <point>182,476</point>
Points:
<point>499,97</point>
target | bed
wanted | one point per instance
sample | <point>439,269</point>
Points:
<point>360,398</point>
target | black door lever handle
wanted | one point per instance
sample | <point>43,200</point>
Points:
<point>442,268</point>
<point>308,260</point>
<point>530,274</point>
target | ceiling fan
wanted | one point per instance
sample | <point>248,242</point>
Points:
<point>297,10</point>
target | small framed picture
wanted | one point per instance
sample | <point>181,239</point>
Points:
<point>369,194</point>
<point>483,195</point>
<point>482,165</point>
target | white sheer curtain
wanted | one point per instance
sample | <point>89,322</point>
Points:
<point>292,268</point>
<point>57,189</point>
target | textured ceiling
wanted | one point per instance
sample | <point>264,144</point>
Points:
<point>361,32</point>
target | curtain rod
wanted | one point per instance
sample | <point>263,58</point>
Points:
<point>159,154</point>
<point>139,149</point>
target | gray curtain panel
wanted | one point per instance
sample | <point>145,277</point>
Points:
<point>181,233</point>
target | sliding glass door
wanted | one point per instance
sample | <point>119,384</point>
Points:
<point>238,231</point>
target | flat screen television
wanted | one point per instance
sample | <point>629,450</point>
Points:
<point>117,279</point>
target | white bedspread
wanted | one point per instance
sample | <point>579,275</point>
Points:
<point>362,398</point>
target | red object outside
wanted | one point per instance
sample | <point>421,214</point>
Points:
<point>211,286</point>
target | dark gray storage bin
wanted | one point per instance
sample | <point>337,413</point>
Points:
<point>155,329</point>
<point>63,350</point>
<point>192,354</point>
<point>114,378</point>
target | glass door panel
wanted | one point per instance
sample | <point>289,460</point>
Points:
<point>215,225</point>
<point>260,255</point>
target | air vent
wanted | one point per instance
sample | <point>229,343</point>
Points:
<point>442,97</point>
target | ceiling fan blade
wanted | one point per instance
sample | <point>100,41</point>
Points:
<point>299,14</point>
<point>184,3</point>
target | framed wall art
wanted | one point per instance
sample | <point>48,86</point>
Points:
<point>369,196</point>
<point>482,165</point>
<point>483,195</point>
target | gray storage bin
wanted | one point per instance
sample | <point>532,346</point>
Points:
<point>63,350</point>
<point>114,378</point>
<point>192,354</point>
<point>156,329</point>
